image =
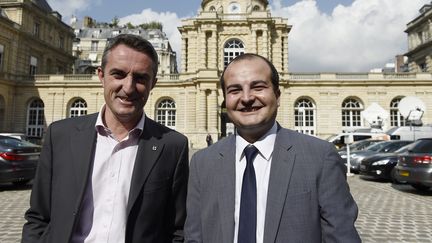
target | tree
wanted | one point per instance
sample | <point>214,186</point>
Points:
<point>114,22</point>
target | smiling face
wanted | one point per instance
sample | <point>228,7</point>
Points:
<point>127,80</point>
<point>250,98</point>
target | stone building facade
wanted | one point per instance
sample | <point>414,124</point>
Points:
<point>191,102</point>
<point>90,42</point>
<point>33,40</point>
<point>419,32</point>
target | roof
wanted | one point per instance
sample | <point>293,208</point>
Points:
<point>42,4</point>
<point>107,33</point>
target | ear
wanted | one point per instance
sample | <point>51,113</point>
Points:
<point>278,94</point>
<point>101,76</point>
<point>154,83</point>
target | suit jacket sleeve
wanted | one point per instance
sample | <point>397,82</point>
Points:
<point>338,209</point>
<point>38,215</point>
<point>193,221</point>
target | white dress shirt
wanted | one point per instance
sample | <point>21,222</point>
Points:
<point>110,183</point>
<point>262,165</point>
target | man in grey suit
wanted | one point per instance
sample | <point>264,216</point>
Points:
<point>266,183</point>
<point>114,176</point>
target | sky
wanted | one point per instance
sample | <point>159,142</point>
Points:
<point>327,35</point>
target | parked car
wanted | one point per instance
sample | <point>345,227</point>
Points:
<point>339,139</point>
<point>21,136</point>
<point>382,165</point>
<point>357,146</point>
<point>415,166</point>
<point>18,160</point>
<point>380,147</point>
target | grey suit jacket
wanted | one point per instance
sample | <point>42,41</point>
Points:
<point>308,196</point>
<point>157,198</point>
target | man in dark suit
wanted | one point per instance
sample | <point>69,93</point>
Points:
<point>266,183</point>
<point>115,176</point>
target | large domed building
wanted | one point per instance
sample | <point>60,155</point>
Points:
<point>191,101</point>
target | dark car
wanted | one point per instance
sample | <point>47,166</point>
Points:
<point>18,160</point>
<point>357,146</point>
<point>415,166</point>
<point>382,165</point>
<point>380,147</point>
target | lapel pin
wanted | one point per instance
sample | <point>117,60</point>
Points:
<point>154,148</point>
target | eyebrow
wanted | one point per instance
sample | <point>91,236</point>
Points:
<point>255,82</point>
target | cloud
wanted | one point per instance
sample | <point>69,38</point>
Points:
<point>355,38</point>
<point>69,8</point>
<point>169,20</point>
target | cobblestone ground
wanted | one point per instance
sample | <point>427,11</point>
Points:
<point>392,213</point>
<point>387,212</point>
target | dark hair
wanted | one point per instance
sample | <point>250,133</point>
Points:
<point>135,42</point>
<point>248,56</point>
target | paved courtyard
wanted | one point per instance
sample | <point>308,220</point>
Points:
<point>388,213</point>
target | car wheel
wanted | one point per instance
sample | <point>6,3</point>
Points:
<point>20,183</point>
<point>393,178</point>
<point>420,187</point>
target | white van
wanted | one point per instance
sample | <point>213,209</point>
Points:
<point>339,139</point>
<point>410,132</point>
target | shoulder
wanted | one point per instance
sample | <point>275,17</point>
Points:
<point>214,151</point>
<point>288,136</point>
<point>87,120</point>
<point>162,132</point>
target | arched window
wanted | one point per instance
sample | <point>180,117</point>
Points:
<point>232,49</point>
<point>396,118</point>
<point>351,109</point>
<point>78,108</point>
<point>212,9</point>
<point>304,116</point>
<point>166,113</point>
<point>35,118</point>
<point>256,8</point>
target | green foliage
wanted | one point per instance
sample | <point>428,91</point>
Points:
<point>151,25</point>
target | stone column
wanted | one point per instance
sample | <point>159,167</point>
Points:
<point>201,105</point>
<point>212,115</point>
<point>265,44</point>
<point>184,55</point>
<point>212,55</point>
<point>254,46</point>
<point>202,50</point>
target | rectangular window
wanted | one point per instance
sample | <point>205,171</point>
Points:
<point>1,56</point>
<point>33,65</point>
<point>36,29</point>
<point>61,42</point>
<point>94,45</point>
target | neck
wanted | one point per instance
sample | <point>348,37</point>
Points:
<point>120,128</point>
<point>254,134</point>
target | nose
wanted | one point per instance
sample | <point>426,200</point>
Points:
<point>247,96</point>
<point>128,85</point>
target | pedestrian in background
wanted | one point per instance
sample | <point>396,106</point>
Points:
<point>209,140</point>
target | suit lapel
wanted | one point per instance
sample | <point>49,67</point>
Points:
<point>280,175</point>
<point>226,188</point>
<point>82,144</point>
<point>149,150</point>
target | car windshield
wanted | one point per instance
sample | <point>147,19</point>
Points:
<point>376,147</point>
<point>403,149</point>
<point>14,142</point>
<point>422,146</point>
<point>393,146</point>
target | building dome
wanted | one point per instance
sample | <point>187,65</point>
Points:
<point>215,5</point>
